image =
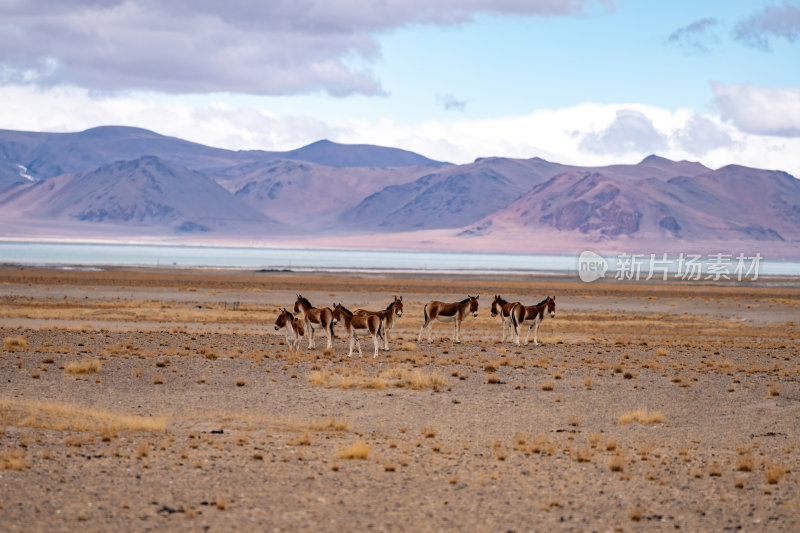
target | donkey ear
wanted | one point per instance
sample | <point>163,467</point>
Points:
<point>477,296</point>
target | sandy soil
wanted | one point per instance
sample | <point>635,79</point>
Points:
<point>159,399</point>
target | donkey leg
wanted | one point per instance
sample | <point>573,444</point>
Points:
<point>457,330</point>
<point>535,335</point>
<point>358,344</point>
<point>352,341</point>
<point>310,335</point>
<point>528,336</point>
<point>503,325</point>
<point>377,345</point>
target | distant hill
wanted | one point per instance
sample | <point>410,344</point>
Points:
<point>333,154</point>
<point>310,195</point>
<point>455,196</point>
<point>728,204</point>
<point>144,193</point>
<point>118,182</point>
<point>45,155</point>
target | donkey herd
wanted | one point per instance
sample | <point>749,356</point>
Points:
<point>306,319</point>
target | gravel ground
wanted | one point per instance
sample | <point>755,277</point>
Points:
<point>142,399</point>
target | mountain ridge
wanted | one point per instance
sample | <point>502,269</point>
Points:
<point>339,195</point>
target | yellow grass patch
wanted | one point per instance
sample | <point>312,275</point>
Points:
<point>15,343</point>
<point>56,416</point>
<point>617,463</point>
<point>643,416</point>
<point>773,473</point>
<point>392,377</point>
<point>13,460</point>
<point>357,450</point>
<point>85,366</point>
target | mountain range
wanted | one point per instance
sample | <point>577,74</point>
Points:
<point>121,183</point>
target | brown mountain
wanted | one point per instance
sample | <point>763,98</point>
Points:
<point>455,196</point>
<point>147,194</point>
<point>308,195</point>
<point>43,155</point>
<point>113,182</point>
<point>729,204</point>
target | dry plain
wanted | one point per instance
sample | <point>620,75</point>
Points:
<point>145,399</point>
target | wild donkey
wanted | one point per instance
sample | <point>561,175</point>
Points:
<point>532,315</point>
<point>446,312</point>
<point>294,327</point>
<point>387,316</point>
<point>321,317</point>
<point>503,308</point>
<point>356,325</point>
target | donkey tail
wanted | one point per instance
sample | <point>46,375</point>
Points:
<point>514,321</point>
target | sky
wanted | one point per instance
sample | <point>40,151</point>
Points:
<point>573,81</point>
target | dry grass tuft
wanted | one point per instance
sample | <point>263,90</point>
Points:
<point>774,389</point>
<point>773,473</point>
<point>643,416</point>
<point>392,377</point>
<point>85,366</point>
<point>331,424</point>
<point>617,463</point>
<point>745,462</point>
<point>357,450</point>
<point>13,460</point>
<point>715,469</point>
<point>583,454</point>
<point>12,344</point>
<point>429,432</point>
<point>65,417</point>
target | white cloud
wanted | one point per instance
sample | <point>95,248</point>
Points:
<point>553,134</point>
<point>769,22</point>
<point>700,135</point>
<point>245,46</point>
<point>759,110</point>
<point>631,132</point>
<point>451,103</point>
<point>697,36</point>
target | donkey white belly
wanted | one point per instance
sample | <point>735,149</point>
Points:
<point>442,318</point>
<point>361,331</point>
